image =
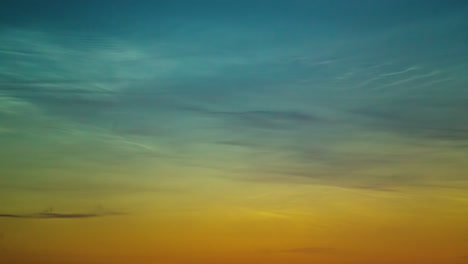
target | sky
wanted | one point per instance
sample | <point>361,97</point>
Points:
<point>226,132</point>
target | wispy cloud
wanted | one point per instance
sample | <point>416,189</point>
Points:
<point>269,119</point>
<point>51,215</point>
<point>278,110</point>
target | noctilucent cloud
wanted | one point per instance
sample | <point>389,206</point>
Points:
<point>228,132</point>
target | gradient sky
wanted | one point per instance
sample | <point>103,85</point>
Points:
<point>228,132</point>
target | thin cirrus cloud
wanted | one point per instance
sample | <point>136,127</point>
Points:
<point>51,215</point>
<point>288,98</point>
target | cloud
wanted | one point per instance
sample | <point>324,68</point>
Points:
<point>51,215</point>
<point>268,119</point>
<point>77,187</point>
<point>436,119</point>
<point>279,110</point>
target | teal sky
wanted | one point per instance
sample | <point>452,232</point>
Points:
<point>283,88</point>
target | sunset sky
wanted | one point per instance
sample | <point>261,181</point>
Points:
<point>234,132</point>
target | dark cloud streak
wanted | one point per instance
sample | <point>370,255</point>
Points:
<point>48,215</point>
